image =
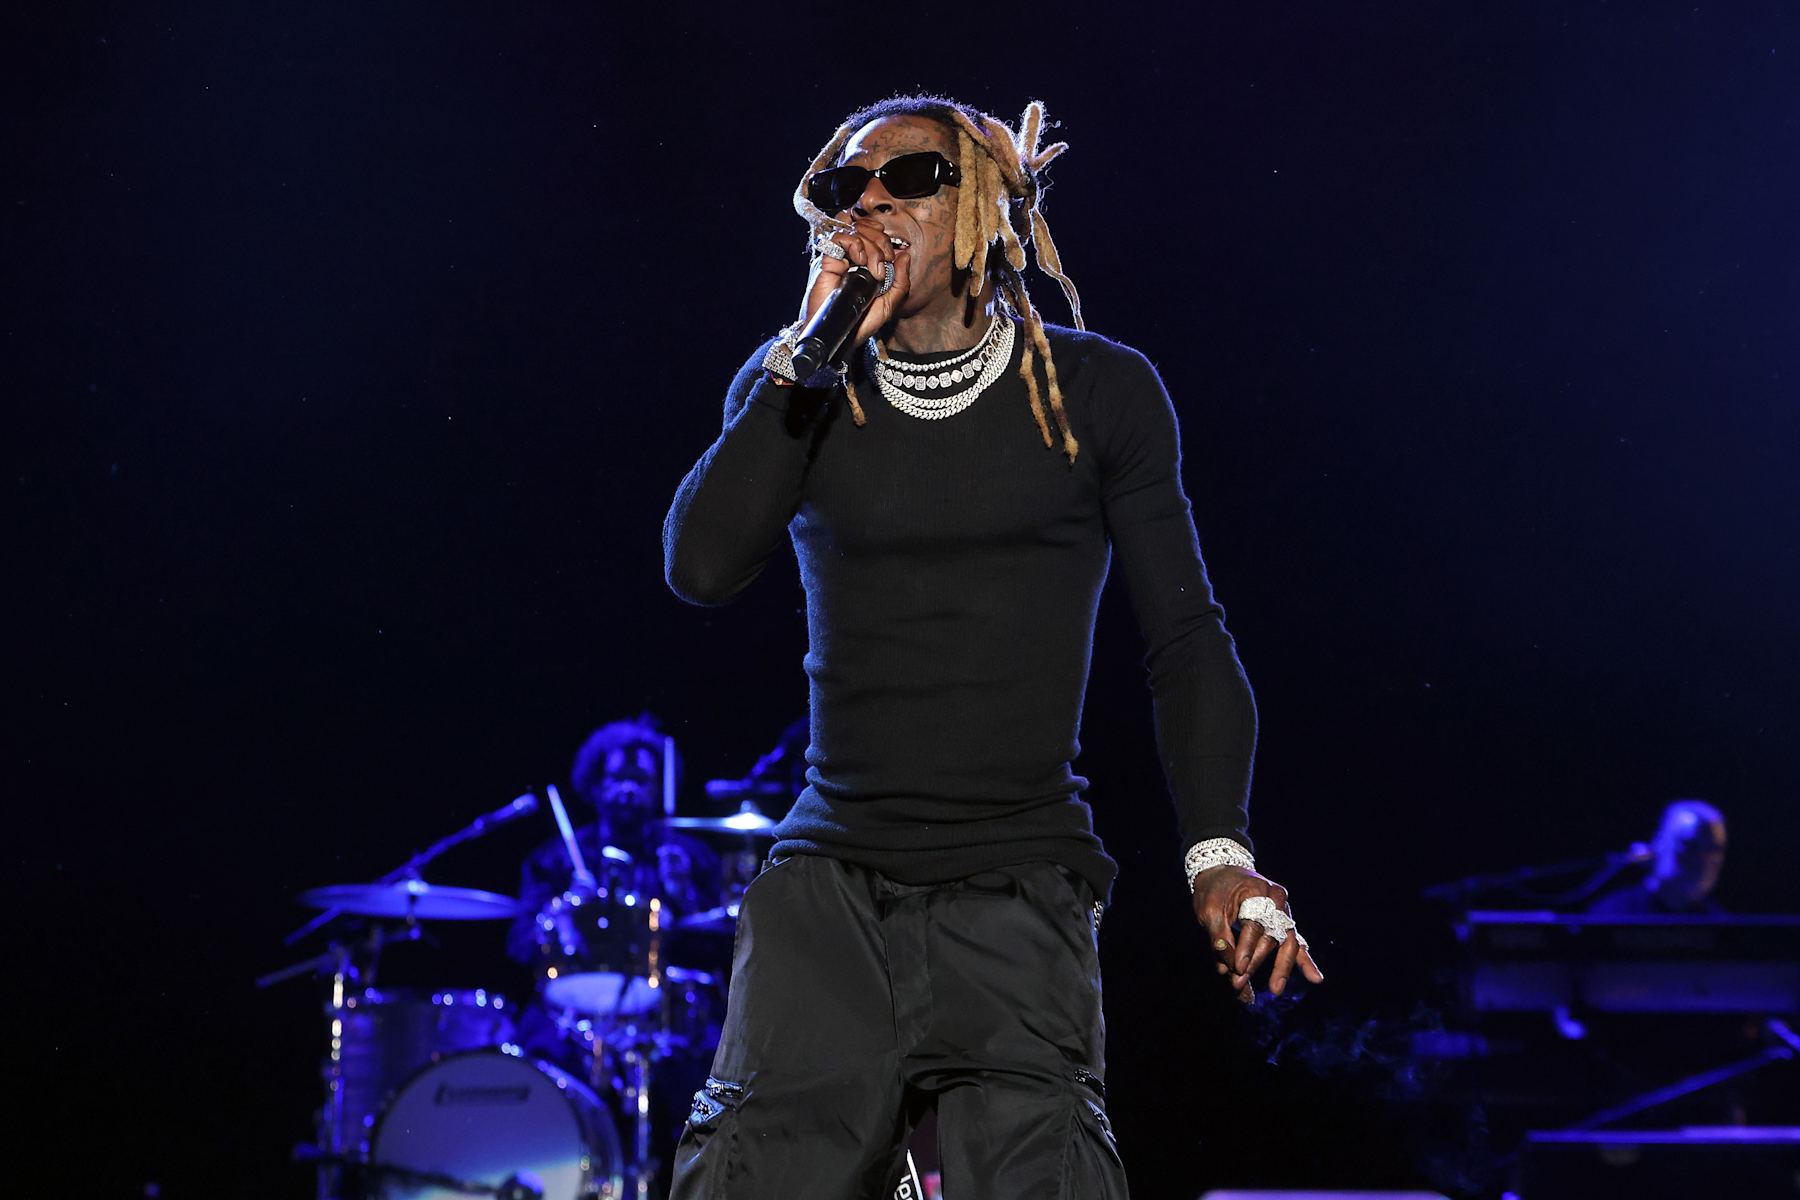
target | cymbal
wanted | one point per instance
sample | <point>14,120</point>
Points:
<point>750,822</point>
<point>413,898</point>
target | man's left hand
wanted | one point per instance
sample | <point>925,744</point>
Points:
<point>1219,892</point>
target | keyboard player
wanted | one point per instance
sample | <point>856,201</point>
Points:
<point>1688,853</point>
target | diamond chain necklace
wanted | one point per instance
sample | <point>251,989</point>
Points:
<point>943,365</point>
<point>986,360</point>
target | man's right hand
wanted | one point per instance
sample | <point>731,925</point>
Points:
<point>867,246</point>
<point>1219,892</point>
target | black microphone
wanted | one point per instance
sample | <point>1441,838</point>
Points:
<point>824,336</point>
<point>524,806</point>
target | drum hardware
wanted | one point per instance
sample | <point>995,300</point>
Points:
<point>522,806</point>
<point>328,962</point>
<point>624,1008</point>
<point>609,994</point>
<point>637,1100</point>
<point>369,1050</point>
<point>638,1051</point>
<point>359,1067</point>
<point>352,1092</point>
<point>608,979</point>
<point>329,1151</point>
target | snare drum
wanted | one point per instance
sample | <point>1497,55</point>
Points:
<point>489,1117</point>
<point>382,1036</point>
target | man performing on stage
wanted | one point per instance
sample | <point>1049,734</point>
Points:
<point>925,932</point>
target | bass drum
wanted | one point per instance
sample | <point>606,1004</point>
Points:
<point>490,1118</point>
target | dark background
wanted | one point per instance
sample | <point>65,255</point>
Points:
<point>353,354</point>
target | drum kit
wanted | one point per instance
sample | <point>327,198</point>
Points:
<point>438,1094</point>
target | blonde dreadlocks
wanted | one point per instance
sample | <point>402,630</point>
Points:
<point>1001,182</point>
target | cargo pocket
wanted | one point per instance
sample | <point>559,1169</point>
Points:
<point>769,867</point>
<point>1092,1169</point>
<point>709,1142</point>
<point>1083,894</point>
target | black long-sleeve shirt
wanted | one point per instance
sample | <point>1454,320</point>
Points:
<point>952,571</point>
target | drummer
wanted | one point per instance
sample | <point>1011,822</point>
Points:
<point>617,811</point>
<point>618,782</point>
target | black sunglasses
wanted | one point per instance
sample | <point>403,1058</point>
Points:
<point>906,177</point>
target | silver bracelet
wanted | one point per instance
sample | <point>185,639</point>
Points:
<point>1215,852</point>
<point>779,360</point>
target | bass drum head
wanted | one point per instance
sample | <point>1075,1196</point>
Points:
<point>487,1117</point>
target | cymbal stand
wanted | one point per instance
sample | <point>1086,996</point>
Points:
<point>636,1057</point>
<point>637,1097</point>
<point>334,1139</point>
<point>331,1140</point>
<point>335,1144</point>
<point>328,1125</point>
<point>411,868</point>
<point>640,1052</point>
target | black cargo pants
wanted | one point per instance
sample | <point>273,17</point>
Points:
<point>856,1000</point>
